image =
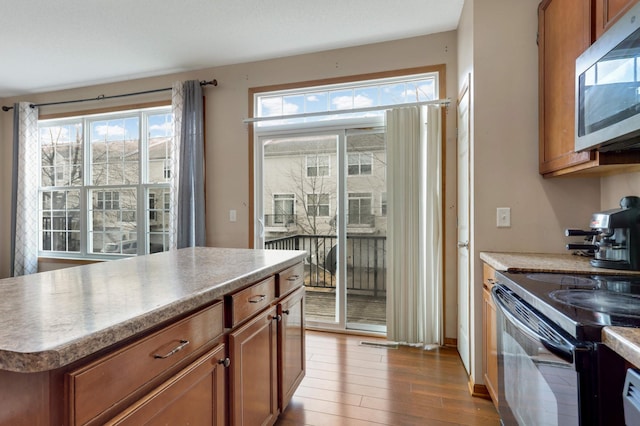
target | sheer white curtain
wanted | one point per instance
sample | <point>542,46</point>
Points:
<point>414,227</point>
<point>24,193</point>
<point>187,210</point>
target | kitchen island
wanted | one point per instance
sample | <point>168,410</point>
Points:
<point>97,328</point>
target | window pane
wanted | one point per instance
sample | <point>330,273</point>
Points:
<point>158,225</point>
<point>113,215</point>
<point>366,97</point>
<point>61,155</point>
<point>159,154</point>
<point>393,94</point>
<point>316,102</point>
<point>59,213</point>
<point>341,99</point>
<point>115,151</point>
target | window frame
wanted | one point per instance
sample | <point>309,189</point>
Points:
<point>141,188</point>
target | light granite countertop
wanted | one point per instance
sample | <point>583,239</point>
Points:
<point>625,341</point>
<point>51,319</point>
<point>545,262</point>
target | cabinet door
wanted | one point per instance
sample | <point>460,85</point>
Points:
<point>195,396</point>
<point>291,344</point>
<point>608,12</point>
<point>564,32</point>
<point>253,371</point>
<point>490,343</point>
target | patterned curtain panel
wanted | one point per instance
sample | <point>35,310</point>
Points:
<point>24,195</point>
<point>187,214</point>
<point>414,241</point>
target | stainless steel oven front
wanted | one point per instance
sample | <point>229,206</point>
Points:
<point>543,372</point>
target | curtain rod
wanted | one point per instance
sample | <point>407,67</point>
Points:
<point>444,102</point>
<point>213,82</point>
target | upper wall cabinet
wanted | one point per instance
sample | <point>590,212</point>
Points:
<point>565,30</point>
<point>607,12</point>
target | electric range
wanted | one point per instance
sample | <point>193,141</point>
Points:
<point>580,304</point>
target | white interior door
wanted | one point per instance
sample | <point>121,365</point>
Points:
<point>463,227</point>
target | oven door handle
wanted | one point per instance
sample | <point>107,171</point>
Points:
<point>562,348</point>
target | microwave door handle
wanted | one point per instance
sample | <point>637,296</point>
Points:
<point>564,351</point>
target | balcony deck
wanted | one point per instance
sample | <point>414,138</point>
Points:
<point>361,309</point>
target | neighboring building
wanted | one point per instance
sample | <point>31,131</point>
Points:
<point>300,185</point>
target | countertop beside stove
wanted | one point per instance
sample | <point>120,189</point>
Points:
<point>623,340</point>
<point>545,262</point>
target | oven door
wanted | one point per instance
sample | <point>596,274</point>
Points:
<point>540,367</point>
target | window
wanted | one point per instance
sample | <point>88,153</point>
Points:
<point>98,173</point>
<point>317,165</point>
<point>283,209</point>
<point>344,97</point>
<point>360,163</point>
<point>318,204</point>
<point>383,204</point>
<point>360,209</point>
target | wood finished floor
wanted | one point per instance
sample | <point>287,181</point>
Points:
<point>351,384</point>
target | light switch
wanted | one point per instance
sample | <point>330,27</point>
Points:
<point>503,217</point>
<point>233,215</point>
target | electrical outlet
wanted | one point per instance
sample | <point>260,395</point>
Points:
<point>503,217</point>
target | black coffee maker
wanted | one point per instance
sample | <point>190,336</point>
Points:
<point>614,236</point>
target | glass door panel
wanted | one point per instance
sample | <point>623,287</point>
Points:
<point>299,199</point>
<point>366,187</point>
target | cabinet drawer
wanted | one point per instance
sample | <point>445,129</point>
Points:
<point>102,384</point>
<point>244,304</point>
<point>290,279</point>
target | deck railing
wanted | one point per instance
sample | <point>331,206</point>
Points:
<point>366,261</point>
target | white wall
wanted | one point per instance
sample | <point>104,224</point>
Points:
<point>504,107</point>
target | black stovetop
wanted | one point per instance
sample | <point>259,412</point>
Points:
<point>579,304</point>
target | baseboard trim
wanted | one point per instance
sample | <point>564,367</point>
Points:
<point>478,391</point>
<point>448,341</point>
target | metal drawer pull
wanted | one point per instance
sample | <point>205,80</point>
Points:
<point>178,348</point>
<point>257,299</point>
<point>293,277</point>
<point>226,362</point>
<point>276,318</point>
<point>286,312</point>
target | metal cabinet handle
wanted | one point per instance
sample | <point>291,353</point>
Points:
<point>178,348</point>
<point>257,299</point>
<point>293,277</point>
<point>226,362</point>
<point>286,312</point>
<point>276,318</point>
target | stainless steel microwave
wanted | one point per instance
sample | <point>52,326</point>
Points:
<point>608,89</point>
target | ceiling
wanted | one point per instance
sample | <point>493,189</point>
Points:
<point>50,45</point>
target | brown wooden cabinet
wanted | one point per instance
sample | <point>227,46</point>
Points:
<point>195,396</point>
<point>291,346</point>
<point>253,387</point>
<point>489,336</point>
<point>266,349</point>
<point>109,385</point>
<point>565,30</point>
<point>607,12</point>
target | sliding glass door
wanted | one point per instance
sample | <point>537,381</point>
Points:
<point>325,192</point>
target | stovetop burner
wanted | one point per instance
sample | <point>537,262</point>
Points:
<point>603,301</point>
<point>564,280</point>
